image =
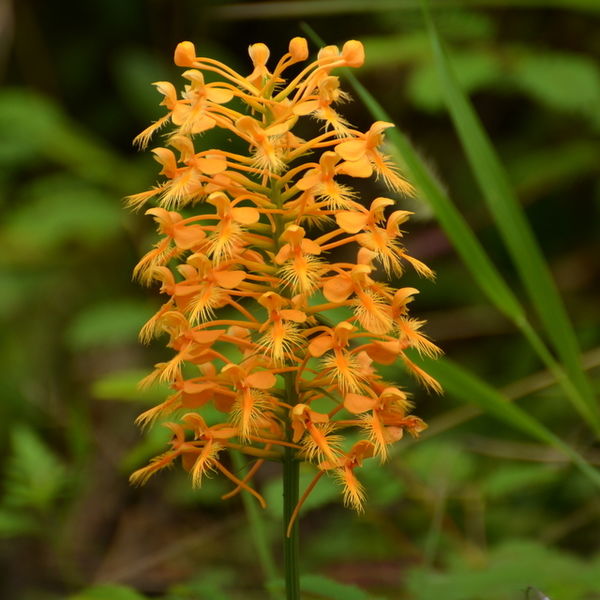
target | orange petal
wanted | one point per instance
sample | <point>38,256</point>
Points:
<point>218,95</point>
<point>351,222</point>
<point>184,145</point>
<point>211,165</point>
<point>317,417</point>
<point>263,380</point>
<point>384,353</point>
<point>179,113</point>
<point>305,108</point>
<point>167,89</point>
<point>207,336</point>
<point>356,168</point>
<point>293,234</point>
<point>223,402</point>
<point>414,425</point>
<point>167,159</point>
<point>279,129</point>
<point>188,237</point>
<point>201,123</point>
<point>229,279</point>
<point>186,290</point>
<point>338,288</point>
<point>246,215</point>
<point>378,205</point>
<point>259,54</point>
<point>397,218</point>
<point>392,434</point>
<point>380,126</point>
<point>283,254</point>
<point>224,433</point>
<point>310,247</point>
<point>293,315</point>
<point>310,179</point>
<point>352,150</point>
<point>319,345</point>
<point>193,387</point>
<point>361,450</point>
<point>357,403</point>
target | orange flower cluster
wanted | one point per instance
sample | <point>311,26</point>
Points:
<point>279,338</point>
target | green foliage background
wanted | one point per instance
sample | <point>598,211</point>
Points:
<point>498,496</point>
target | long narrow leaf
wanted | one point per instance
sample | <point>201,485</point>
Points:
<point>513,226</point>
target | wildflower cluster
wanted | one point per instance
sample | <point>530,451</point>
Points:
<point>264,326</point>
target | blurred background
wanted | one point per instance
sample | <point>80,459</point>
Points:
<point>475,509</point>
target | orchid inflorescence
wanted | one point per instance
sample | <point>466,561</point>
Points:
<point>254,302</point>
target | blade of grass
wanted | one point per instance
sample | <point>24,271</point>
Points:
<point>462,237</point>
<point>514,228</point>
<point>460,383</point>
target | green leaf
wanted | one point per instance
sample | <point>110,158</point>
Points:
<point>60,210</point>
<point>124,385</point>
<point>323,588</point>
<point>468,387</point>
<point>385,51</point>
<point>548,168</point>
<point>111,323</point>
<point>510,569</point>
<point>515,231</point>
<point>32,125</point>
<point>439,461</point>
<point>560,80</point>
<point>14,523</point>
<point>474,69</point>
<point>108,592</point>
<point>27,124</point>
<point>134,67</point>
<point>35,477</point>
<point>382,489</point>
<point>213,584</point>
<point>509,479</point>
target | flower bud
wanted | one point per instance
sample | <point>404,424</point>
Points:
<point>353,52</point>
<point>298,49</point>
<point>185,54</point>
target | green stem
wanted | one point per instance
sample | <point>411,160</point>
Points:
<point>291,466</point>
<point>291,474</point>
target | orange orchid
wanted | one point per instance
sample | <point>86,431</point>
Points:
<point>263,324</point>
<point>387,417</point>
<point>366,148</point>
